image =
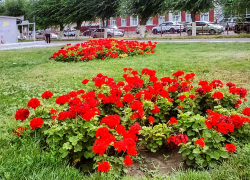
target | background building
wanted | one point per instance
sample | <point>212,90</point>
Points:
<point>130,23</point>
<point>8,29</point>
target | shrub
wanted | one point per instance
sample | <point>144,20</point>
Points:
<point>100,128</point>
<point>103,49</point>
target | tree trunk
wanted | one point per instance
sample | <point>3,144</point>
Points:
<point>78,28</point>
<point>105,28</point>
<point>193,23</point>
<point>142,28</point>
<point>61,32</point>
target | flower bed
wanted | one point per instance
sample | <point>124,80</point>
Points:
<point>100,129</point>
<point>102,49</point>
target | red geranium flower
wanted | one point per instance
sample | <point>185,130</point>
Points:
<point>47,95</point>
<point>33,103</point>
<point>218,95</point>
<point>20,130</point>
<point>230,148</point>
<point>246,111</point>
<point>22,114</point>
<point>151,119</point>
<point>85,81</point>
<point>128,161</point>
<point>173,120</point>
<point>36,123</point>
<point>200,142</point>
<point>182,97</point>
<point>103,166</point>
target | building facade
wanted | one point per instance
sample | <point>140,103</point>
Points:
<point>130,23</point>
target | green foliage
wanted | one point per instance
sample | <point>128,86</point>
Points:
<point>154,137</point>
<point>145,9</point>
<point>13,8</point>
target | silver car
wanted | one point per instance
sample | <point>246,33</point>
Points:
<point>99,33</point>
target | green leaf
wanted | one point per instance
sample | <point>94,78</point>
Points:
<point>67,145</point>
<point>215,155</point>
<point>196,151</point>
<point>77,148</point>
<point>73,140</point>
<point>63,152</point>
<point>190,133</point>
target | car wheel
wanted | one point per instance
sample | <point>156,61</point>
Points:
<point>154,31</point>
<point>95,36</point>
<point>109,36</point>
<point>189,32</point>
<point>172,31</point>
<point>212,32</point>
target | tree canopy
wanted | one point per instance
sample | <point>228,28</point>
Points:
<point>146,8</point>
<point>191,6</point>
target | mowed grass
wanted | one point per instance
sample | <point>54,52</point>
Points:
<point>28,73</point>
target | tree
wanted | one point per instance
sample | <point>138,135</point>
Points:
<point>191,6</point>
<point>145,9</point>
<point>78,11</point>
<point>49,13</point>
<point>2,9</point>
<point>14,8</point>
<point>105,9</point>
<point>236,8</point>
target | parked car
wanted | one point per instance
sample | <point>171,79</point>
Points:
<point>169,26</point>
<point>53,36</point>
<point>69,32</point>
<point>99,33</point>
<point>242,27</point>
<point>88,32</point>
<point>205,27</point>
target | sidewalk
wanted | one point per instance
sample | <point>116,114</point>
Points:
<point>39,44</point>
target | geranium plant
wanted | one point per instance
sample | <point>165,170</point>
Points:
<point>103,126</point>
<point>103,49</point>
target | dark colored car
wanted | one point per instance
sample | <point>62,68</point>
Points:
<point>242,27</point>
<point>88,32</point>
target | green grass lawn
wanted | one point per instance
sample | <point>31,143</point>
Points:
<point>27,73</point>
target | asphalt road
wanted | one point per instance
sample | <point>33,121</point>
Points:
<point>39,44</point>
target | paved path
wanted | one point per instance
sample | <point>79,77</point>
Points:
<point>38,44</point>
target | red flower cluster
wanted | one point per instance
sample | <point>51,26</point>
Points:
<point>177,140</point>
<point>36,123</point>
<point>47,95</point>
<point>22,114</point>
<point>230,148</point>
<point>103,166</point>
<point>102,49</point>
<point>128,161</point>
<point>224,124</point>
<point>200,142</point>
<point>218,95</point>
<point>151,119</point>
<point>112,121</point>
<point>246,111</point>
<point>33,103</point>
<point>172,120</point>
<point>20,130</point>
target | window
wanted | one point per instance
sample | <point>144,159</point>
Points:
<point>188,17</point>
<point>124,22</point>
<point>112,21</point>
<point>134,20</point>
<point>161,19</point>
<point>247,13</point>
<point>176,16</point>
<point>150,21</point>
<point>205,17</point>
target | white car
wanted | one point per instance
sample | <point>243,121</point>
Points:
<point>53,36</point>
<point>169,26</point>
